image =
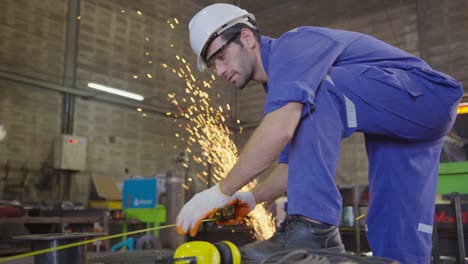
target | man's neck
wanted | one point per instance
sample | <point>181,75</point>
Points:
<point>260,73</point>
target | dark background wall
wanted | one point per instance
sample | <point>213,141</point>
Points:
<point>142,53</point>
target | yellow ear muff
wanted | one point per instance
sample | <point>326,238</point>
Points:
<point>197,252</point>
<point>229,253</point>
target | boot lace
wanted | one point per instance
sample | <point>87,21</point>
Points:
<point>288,225</point>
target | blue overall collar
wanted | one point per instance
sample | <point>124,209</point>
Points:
<point>265,44</point>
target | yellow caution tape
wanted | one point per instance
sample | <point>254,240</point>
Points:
<point>42,251</point>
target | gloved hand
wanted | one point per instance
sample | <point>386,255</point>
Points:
<point>244,202</point>
<point>204,204</point>
<point>3,133</point>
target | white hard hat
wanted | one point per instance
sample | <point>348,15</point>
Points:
<point>213,20</point>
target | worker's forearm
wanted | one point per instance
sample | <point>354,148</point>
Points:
<point>264,146</point>
<point>259,154</point>
<point>273,186</point>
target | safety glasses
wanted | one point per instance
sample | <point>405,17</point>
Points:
<point>219,55</point>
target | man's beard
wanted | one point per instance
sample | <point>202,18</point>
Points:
<point>244,82</point>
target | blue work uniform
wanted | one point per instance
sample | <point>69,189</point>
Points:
<point>351,82</point>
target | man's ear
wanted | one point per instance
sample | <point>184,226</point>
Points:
<point>247,37</point>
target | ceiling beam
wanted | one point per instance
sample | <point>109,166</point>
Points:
<point>87,94</point>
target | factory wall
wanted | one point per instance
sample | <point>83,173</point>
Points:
<point>138,46</point>
<point>117,46</point>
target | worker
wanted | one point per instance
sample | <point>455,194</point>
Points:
<point>322,85</point>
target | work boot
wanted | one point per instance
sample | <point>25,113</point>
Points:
<point>295,232</point>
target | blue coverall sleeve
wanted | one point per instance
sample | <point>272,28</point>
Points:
<point>297,65</point>
<point>284,155</point>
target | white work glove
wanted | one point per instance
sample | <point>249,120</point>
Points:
<point>202,205</point>
<point>3,133</point>
<point>244,202</point>
<point>246,198</point>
